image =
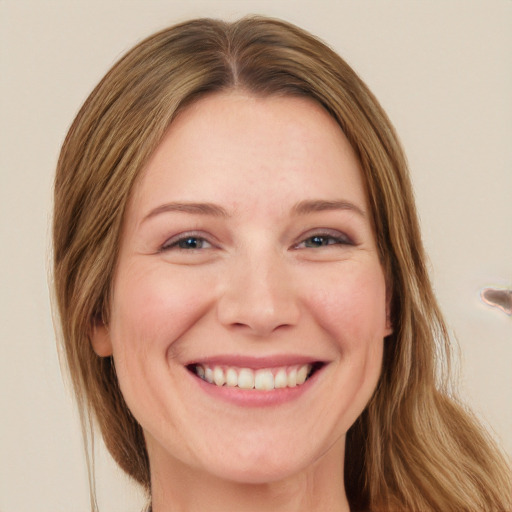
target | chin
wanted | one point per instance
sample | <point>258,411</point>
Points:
<point>263,462</point>
<point>258,472</point>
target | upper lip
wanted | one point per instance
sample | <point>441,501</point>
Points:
<point>255,363</point>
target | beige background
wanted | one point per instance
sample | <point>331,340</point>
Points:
<point>443,71</point>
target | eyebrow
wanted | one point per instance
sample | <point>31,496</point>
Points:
<point>212,209</point>
<point>311,206</point>
<point>194,208</point>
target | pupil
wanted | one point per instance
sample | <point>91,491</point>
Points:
<point>190,243</point>
<point>318,240</point>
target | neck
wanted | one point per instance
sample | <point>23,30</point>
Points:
<point>179,488</point>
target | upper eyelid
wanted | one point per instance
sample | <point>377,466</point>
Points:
<point>325,232</point>
<point>175,239</point>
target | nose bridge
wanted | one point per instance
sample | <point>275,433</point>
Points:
<point>258,293</point>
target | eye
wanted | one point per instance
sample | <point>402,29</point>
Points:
<point>323,240</point>
<point>186,242</point>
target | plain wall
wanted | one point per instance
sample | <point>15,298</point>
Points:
<point>443,71</point>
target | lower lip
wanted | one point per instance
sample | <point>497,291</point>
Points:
<point>254,397</point>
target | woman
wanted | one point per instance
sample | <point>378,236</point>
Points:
<point>242,290</point>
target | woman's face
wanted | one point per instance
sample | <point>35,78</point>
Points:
<point>248,264</point>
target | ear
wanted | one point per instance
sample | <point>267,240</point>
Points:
<point>100,339</point>
<point>389,324</point>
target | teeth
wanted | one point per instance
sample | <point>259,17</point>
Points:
<point>265,379</point>
<point>200,371</point>
<point>302,375</point>
<point>218,376</point>
<point>280,380</point>
<point>231,377</point>
<point>246,379</point>
<point>292,378</point>
<point>208,375</point>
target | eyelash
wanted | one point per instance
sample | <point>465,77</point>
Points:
<point>174,242</point>
<point>335,238</point>
<point>324,239</point>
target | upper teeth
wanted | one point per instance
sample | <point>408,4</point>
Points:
<point>263,379</point>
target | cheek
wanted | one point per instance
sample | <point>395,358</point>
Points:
<point>351,310</point>
<point>152,308</point>
<point>155,307</point>
<point>351,305</point>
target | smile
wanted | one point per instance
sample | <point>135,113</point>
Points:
<point>262,379</point>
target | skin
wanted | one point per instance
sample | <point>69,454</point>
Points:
<point>256,283</point>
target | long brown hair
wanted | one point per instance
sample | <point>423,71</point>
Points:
<point>414,448</point>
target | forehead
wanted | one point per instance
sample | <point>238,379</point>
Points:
<point>233,146</point>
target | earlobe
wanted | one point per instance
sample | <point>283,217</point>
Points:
<point>389,323</point>
<point>100,339</point>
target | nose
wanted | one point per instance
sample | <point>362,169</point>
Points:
<point>259,297</point>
